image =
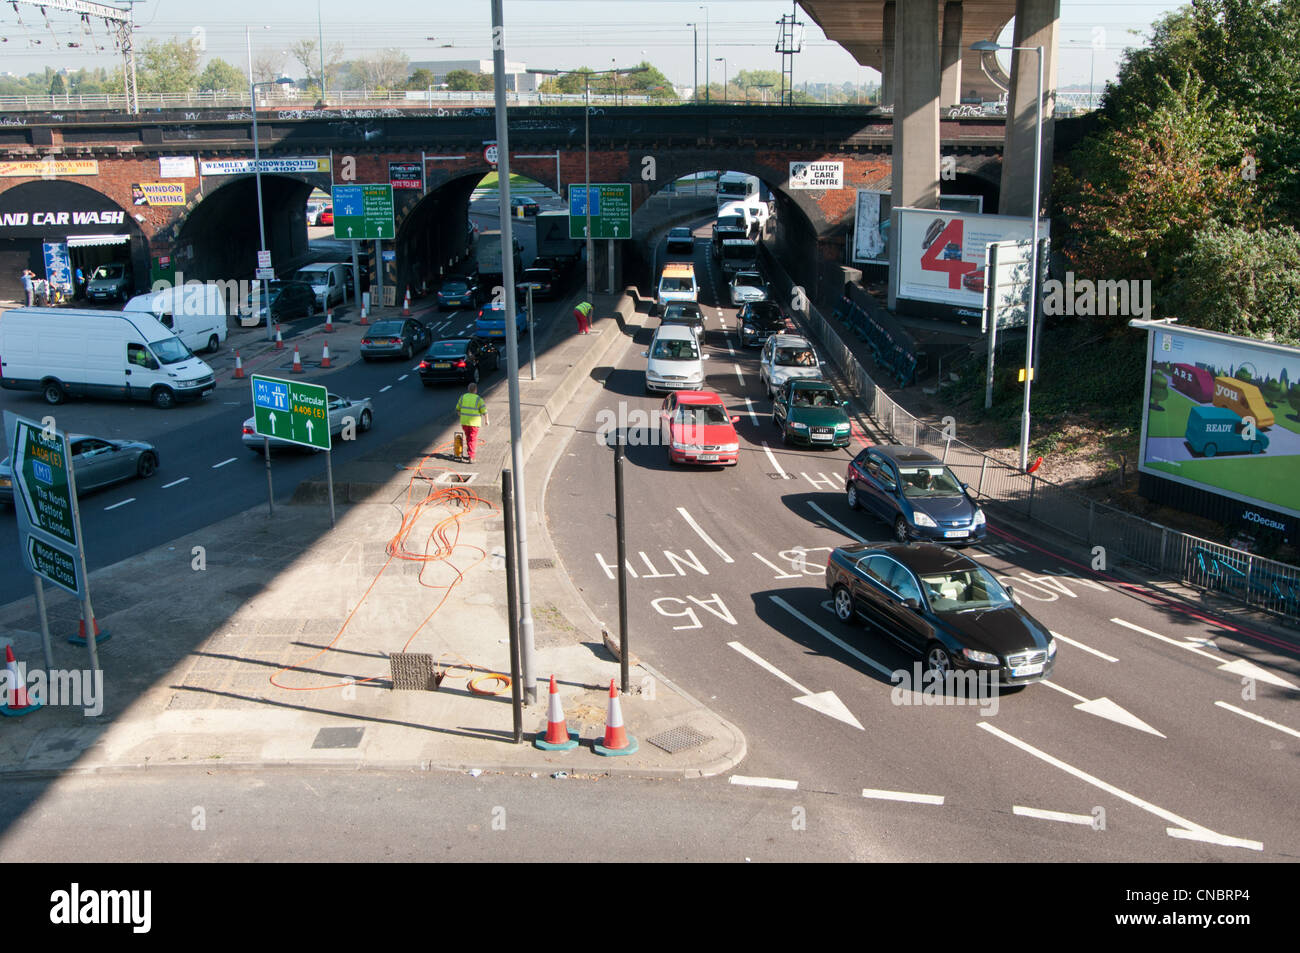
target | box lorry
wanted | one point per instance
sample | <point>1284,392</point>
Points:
<point>126,355</point>
<point>491,264</point>
<point>553,239</point>
<point>195,312</point>
<point>1215,430</point>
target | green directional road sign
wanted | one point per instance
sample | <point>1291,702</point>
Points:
<point>54,563</point>
<point>291,411</point>
<point>611,210</point>
<point>363,211</point>
<point>43,501</point>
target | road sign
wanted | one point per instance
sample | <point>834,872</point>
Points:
<point>611,210</point>
<point>263,259</point>
<point>48,531</point>
<point>53,563</point>
<point>292,411</point>
<point>490,153</point>
<point>363,211</point>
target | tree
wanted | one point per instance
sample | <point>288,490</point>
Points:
<point>268,65</point>
<point>1272,392</point>
<point>1159,390</point>
<point>57,86</point>
<point>421,79</point>
<point>307,55</point>
<point>387,69</point>
<point>170,67</point>
<point>463,80</point>
<point>220,76</point>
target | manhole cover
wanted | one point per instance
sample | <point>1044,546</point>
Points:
<point>541,563</point>
<point>338,738</point>
<point>455,477</point>
<point>412,672</point>
<point>780,476</point>
<point>679,739</point>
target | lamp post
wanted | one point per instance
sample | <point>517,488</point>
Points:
<point>1031,347</point>
<point>723,61</point>
<point>765,87</point>
<point>695,62</point>
<point>257,169</point>
<point>706,52</point>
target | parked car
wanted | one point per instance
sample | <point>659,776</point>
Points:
<point>749,286</point>
<point>491,322</point>
<point>943,606</point>
<point>529,206</point>
<point>326,216</point>
<point>681,241</point>
<point>285,299</point>
<point>96,462</point>
<point>915,494</point>
<point>785,356</point>
<point>395,339</point>
<point>342,410</point>
<point>809,412</point>
<point>696,428</point>
<point>457,292</point>
<point>759,320</point>
<point>686,314</point>
<point>110,282</point>
<point>459,359</point>
<point>674,361</point>
<point>314,210</point>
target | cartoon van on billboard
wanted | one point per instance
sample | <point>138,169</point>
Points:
<point>1243,399</point>
<point>1194,382</point>
<point>1215,430</point>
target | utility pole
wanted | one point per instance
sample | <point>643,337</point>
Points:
<point>121,22</point>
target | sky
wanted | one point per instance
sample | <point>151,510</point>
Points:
<point>552,34</point>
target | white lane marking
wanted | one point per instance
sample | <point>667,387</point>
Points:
<point>765,782</point>
<point>828,703</point>
<point>703,535</point>
<point>415,368</point>
<point>771,456</point>
<point>174,483</point>
<point>1242,667</point>
<point>1185,827</point>
<point>1064,818</point>
<point>1080,645</point>
<point>764,664</point>
<point>1105,708</point>
<point>865,659</point>
<point>1262,721</point>
<point>116,505</point>
<point>388,387</point>
<point>749,409</point>
<point>902,796</point>
<point>830,519</point>
<point>1165,638</point>
<point>403,377</point>
<point>981,555</point>
<point>217,466</point>
<point>1064,691</point>
<point>740,375</point>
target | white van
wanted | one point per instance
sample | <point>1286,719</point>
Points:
<point>127,355</point>
<point>677,283</point>
<point>331,280</point>
<point>194,311</point>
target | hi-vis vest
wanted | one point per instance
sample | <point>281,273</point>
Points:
<point>471,408</point>
<point>585,308</point>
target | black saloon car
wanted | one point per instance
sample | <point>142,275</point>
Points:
<point>943,606</point>
<point>288,300</point>
<point>459,359</point>
<point>542,280</point>
<point>759,320</point>
<point>681,240</point>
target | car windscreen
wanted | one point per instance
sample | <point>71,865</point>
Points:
<point>386,329</point>
<point>681,311</point>
<point>541,276</point>
<point>964,589</point>
<point>675,350</point>
<point>730,221</point>
<point>806,397</point>
<point>744,280</point>
<point>795,357</point>
<point>922,482</point>
<point>448,348</point>
<point>170,350</point>
<point>455,288</point>
<point>702,415</point>
<point>764,313</point>
<point>107,271</point>
<point>676,284</point>
<point>741,252</point>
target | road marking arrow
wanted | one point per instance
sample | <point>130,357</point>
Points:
<point>1241,667</point>
<point>827,703</point>
<point>1107,709</point>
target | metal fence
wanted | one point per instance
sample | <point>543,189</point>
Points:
<point>342,98</point>
<point>1246,578</point>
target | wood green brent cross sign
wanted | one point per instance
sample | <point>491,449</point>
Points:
<point>43,503</point>
<point>291,411</point>
<point>611,210</point>
<point>363,211</point>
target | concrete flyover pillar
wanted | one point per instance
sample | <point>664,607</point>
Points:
<point>887,54</point>
<point>950,54</point>
<point>1035,26</point>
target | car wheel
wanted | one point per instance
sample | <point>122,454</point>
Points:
<point>311,309</point>
<point>937,659</point>
<point>1210,450</point>
<point>900,530</point>
<point>1256,447</point>
<point>214,343</point>
<point>163,398</point>
<point>844,610</point>
<point>852,495</point>
<point>474,376</point>
<point>406,353</point>
<point>147,466</point>
<point>366,420</point>
<point>785,437</point>
<point>53,393</point>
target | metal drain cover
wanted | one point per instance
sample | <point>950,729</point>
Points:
<point>338,738</point>
<point>541,563</point>
<point>679,739</point>
<point>412,672</point>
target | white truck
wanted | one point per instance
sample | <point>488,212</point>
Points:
<point>195,312</point>
<point>743,194</point>
<point>127,355</point>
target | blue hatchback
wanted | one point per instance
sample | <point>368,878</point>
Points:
<point>915,494</point>
<point>491,321</point>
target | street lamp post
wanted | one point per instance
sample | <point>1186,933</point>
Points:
<point>1031,347</point>
<point>706,52</point>
<point>695,62</point>
<point>257,170</point>
<point>723,61</point>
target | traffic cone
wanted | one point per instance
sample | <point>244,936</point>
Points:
<point>239,367</point>
<point>279,341</point>
<point>617,740</point>
<point>329,321</point>
<point>363,322</point>
<point>325,356</point>
<point>297,360</point>
<point>80,637</point>
<point>16,701</point>
<point>406,305</point>
<point>557,737</point>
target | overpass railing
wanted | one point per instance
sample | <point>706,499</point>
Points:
<point>347,98</point>
<point>1109,533</point>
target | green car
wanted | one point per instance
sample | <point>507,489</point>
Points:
<point>809,412</point>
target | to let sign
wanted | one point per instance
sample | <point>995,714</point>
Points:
<point>405,175</point>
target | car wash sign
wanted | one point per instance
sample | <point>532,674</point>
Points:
<point>43,488</point>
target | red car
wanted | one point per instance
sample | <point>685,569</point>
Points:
<point>696,428</point>
<point>327,215</point>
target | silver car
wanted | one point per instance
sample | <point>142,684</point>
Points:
<point>342,410</point>
<point>749,287</point>
<point>96,462</point>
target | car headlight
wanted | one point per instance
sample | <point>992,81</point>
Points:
<point>983,658</point>
<point>798,426</point>
<point>920,519</point>
<point>730,447</point>
<point>681,447</point>
<point>749,329</point>
<point>842,427</point>
<point>1051,649</point>
<point>979,519</point>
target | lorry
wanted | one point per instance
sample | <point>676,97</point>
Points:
<point>490,262</point>
<point>1243,399</point>
<point>725,228</point>
<point>741,193</point>
<point>739,254</point>
<point>126,355</point>
<point>1215,430</point>
<point>553,239</point>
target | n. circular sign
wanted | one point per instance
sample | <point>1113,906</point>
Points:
<point>490,154</point>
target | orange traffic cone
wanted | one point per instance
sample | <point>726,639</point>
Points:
<point>80,637</point>
<point>617,740</point>
<point>16,701</point>
<point>557,737</point>
<point>329,321</point>
<point>406,305</point>
<point>239,367</point>
<point>279,341</point>
<point>325,356</point>
<point>297,360</point>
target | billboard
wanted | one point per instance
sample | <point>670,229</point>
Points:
<point>871,222</point>
<point>1223,416</point>
<point>941,255</point>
